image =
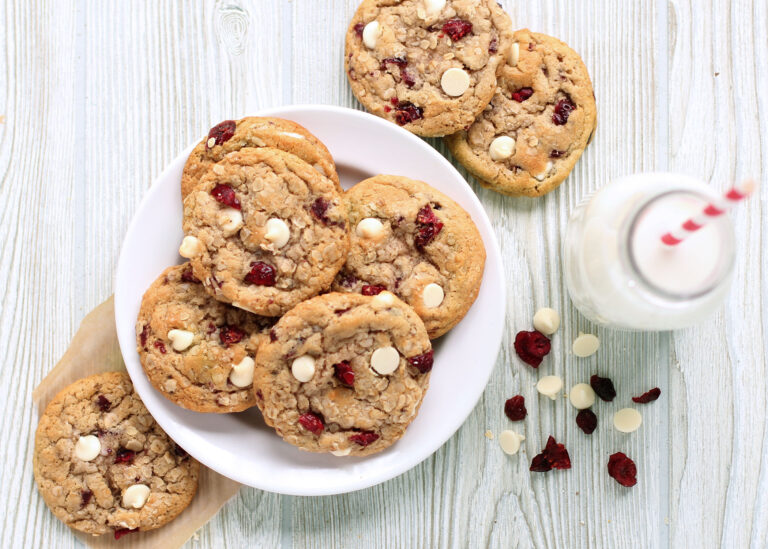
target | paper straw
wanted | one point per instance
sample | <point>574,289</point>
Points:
<point>714,209</point>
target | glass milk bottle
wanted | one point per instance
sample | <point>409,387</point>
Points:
<point>620,274</point>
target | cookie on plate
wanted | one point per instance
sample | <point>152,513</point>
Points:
<point>102,464</point>
<point>409,238</point>
<point>256,131</point>
<point>344,373</point>
<point>427,65</point>
<point>542,117</point>
<point>265,231</point>
<point>195,350</point>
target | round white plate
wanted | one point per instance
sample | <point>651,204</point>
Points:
<point>240,446</point>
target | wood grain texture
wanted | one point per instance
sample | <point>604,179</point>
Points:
<point>98,97</point>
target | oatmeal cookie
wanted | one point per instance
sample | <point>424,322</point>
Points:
<point>344,373</point>
<point>195,350</point>
<point>265,231</point>
<point>427,65</point>
<point>411,239</point>
<point>542,117</point>
<point>256,131</point>
<point>102,464</point>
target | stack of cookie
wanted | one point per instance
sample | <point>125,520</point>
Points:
<point>314,304</point>
<point>517,108</point>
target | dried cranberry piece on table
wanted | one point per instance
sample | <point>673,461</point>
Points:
<point>554,456</point>
<point>587,421</point>
<point>563,110</point>
<point>229,335</point>
<point>623,469</point>
<point>603,387</point>
<point>423,362</point>
<point>221,132</point>
<point>373,289</point>
<point>532,347</point>
<point>225,194</point>
<point>261,274</point>
<point>514,408</point>
<point>364,438</point>
<point>648,396</point>
<point>311,423</point>
<point>343,372</point>
<point>457,29</point>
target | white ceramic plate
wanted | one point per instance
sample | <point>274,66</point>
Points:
<point>241,446</point>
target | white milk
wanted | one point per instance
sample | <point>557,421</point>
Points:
<point>620,274</point>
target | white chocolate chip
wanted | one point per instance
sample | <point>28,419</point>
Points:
<point>190,247</point>
<point>277,232</point>
<point>510,442</point>
<point>293,134</point>
<point>230,219</point>
<point>370,227</point>
<point>135,496</point>
<point>434,6</point>
<point>385,360</point>
<point>455,82</point>
<point>546,321</point>
<point>543,175</point>
<point>342,452</point>
<point>242,372</point>
<point>432,295</point>
<point>87,447</point>
<point>502,147</point>
<point>303,368</point>
<point>180,339</point>
<point>211,142</point>
<point>549,386</point>
<point>371,33</point>
<point>585,345</point>
<point>514,54</point>
<point>582,396</point>
<point>385,299</point>
<point>627,420</point>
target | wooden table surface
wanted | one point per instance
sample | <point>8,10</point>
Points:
<point>96,97</point>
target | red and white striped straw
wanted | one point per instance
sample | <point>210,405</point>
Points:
<point>713,209</point>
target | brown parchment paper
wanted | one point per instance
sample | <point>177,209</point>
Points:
<point>93,350</point>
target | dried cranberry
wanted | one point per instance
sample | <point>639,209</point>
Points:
<point>187,276</point>
<point>563,110</point>
<point>531,46</point>
<point>400,62</point>
<point>347,280</point>
<point>622,469</point>
<point>160,346</point>
<point>514,408</point>
<point>103,403</point>
<point>532,347</point>
<point>407,78</point>
<point>229,335</point>
<point>225,194</point>
<point>272,335</point>
<point>522,94</point>
<point>457,28</point>
<point>144,335</point>
<point>387,108</point>
<point>407,112</point>
<point>493,47</point>
<point>373,289</point>
<point>426,216</point>
<point>603,387</point>
<point>587,421</point>
<point>359,29</point>
<point>120,532</point>
<point>648,396</point>
<point>394,101</point>
<point>423,362</point>
<point>311,423</point>
<point>262,274</point>
<point>424,236</point>
<point>556,154</point>
<point>554,456</point>
<point>364,438</point>
<point>85,498</point>
<point>123,455</point>
<point>318,209</point>
<point>211,328</point>
<point>429,227</point>
<point>344,373</point>
<point>221,132</point>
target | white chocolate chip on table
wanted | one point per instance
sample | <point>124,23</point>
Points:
<point>135,496</point>
<point>546,321</point>
<point>87,448</point>
<point>371,34</point>
<point>370,227</point>
<point>303,368</point>
<point>549,386</point>
<point>585,345</point>
<point>627,420</point>
<point>190,247</point>
<point>502,148</point>
<point>385,360</point>
<point>432,295</point>
<point>510,442</point>
<point>180,339</point>
<point>582,396</point>
<point>242,372</point>
<point>278,232</point>
<point>455,82</point>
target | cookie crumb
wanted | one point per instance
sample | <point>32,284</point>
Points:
<point>489,434</point>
